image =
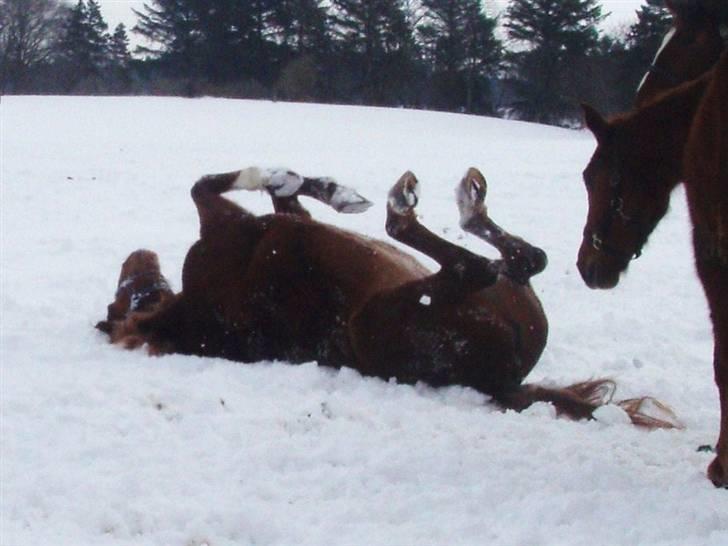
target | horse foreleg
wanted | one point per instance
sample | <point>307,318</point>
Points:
<point>718,469</point>
<point>462,271</point>
<point>522,259</point>
<point>713,274</point>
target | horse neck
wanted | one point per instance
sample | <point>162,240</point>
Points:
<point>661,127</point>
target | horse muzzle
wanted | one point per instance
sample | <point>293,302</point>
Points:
<point>598,269</point>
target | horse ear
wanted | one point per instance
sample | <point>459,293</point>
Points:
<point>595,122</point>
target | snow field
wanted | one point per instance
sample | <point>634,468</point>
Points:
<point>103,446</point>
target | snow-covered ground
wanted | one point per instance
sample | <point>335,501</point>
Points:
<point>102,446</point>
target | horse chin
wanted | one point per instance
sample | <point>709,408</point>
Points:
<point>600,273</point>
<point>602,280</point>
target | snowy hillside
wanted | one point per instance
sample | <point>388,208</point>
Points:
<point>106,447</point>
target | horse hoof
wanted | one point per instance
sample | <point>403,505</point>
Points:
<point>470,195</point>
<point>348,201</point>
<point>404,195</point>
<point>717,475</point>
<point>281,182</point>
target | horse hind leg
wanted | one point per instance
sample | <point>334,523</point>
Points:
<point>522,260</point>
<point>462,271</point>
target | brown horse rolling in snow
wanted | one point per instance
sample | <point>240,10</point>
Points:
<point>283,286</point>
<point>680,135</point>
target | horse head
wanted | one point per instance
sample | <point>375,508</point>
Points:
<point>692,46</point>
<point>628,191</point>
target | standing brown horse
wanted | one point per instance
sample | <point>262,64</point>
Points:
<point>680,136</point>
<point>691,47</point>
<point>283,286</point>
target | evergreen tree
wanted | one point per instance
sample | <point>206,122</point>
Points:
<point>375,41</point>
<point>119,47</point>
<point>210,40</point>
<point>301,28</point>
<point>557,35</point>
<point>83,52</point>
<point>172,27</point>
<point>74,55</point>
<point>463,50</point>
<point>119,61</point>
<point>97,36</point>
<point>301,25</point>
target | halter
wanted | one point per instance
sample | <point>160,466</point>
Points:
<point>138,297</point>
<point>616,212</point>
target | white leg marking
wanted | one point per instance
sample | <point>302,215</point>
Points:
<point>665,41</point>
<point>282,182</point>
<point>249,179</point>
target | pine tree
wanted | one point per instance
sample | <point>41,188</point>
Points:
<point>301,29</point>
<point>210,40</point>
<point>74,54</point>
<point>301,25</point>
<point>557,35</point>
<point>462,48</point>
<point>97,36</point>
<point>172,27</point>
<point>118,71</point>
<point>374,38</point>
<point>119,47</point>
<point>83,51</point>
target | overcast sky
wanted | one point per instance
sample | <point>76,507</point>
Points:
<point>623,11</point>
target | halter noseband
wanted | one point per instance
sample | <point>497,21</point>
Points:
<point>139,297</point>
<point>616,212</point>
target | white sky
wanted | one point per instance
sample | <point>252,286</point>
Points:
<point>623,11</point>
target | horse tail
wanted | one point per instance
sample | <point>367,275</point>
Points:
<point>581,400</point>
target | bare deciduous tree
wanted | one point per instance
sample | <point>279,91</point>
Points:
<point>28,31</point>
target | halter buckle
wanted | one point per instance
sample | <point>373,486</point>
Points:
<point>597,242</point>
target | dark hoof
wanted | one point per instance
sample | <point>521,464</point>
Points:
<point>282,183</point>
<point>104,326</point>
<point>717,475</point>
<point>525,261</point>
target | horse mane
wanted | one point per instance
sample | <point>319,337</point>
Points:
<point>667,118</point>
<point>669,102</point>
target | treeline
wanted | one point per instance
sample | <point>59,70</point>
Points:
<point>537,61</point>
